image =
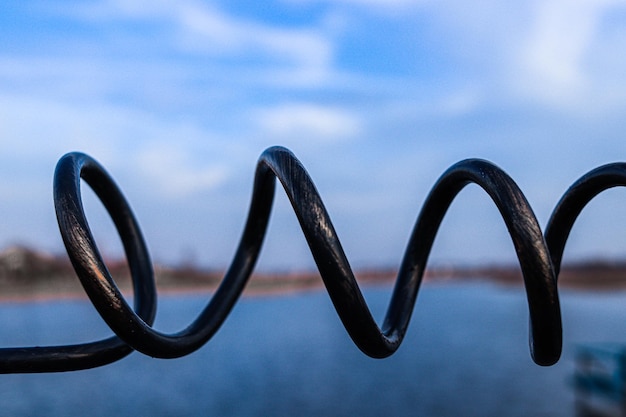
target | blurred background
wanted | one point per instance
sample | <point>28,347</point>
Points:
<point>377,98</point>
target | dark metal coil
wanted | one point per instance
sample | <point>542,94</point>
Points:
<point>539,260</point>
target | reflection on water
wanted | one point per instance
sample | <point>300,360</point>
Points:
<point>466,354</point>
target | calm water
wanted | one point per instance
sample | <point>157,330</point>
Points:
<point>466,354</point>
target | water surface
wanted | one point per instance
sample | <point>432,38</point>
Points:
<point>466,354</point>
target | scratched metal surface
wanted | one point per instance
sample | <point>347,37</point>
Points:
<point>539,260</point>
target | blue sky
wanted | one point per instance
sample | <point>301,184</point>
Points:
<point>376,97</point>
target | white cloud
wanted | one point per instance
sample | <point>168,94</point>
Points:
<point>201,27</point>
<point>390,5</point>
<point>560,35</point>
<point>554,57</point>
<point>296,121</point>
<point>460,103</point>
<point>170,155</point>
<point>35,127</point>
<point>211,28</point>
<point>173,172</point>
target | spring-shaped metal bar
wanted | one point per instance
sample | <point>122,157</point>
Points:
<point>539,260</point>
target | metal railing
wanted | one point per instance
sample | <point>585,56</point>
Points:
<point>539,258</point>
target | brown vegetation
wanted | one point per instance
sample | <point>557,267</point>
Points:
<point>26,273</point>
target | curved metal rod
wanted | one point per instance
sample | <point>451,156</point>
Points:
<point>538,273</point>
<point>574,201</point>
<point>91,270</point>
<point>539,277</point>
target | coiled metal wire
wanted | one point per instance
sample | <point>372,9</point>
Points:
<point>539,260</point>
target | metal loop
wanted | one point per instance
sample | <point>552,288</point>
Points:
<point>567,210</point>
<point>90,268</point>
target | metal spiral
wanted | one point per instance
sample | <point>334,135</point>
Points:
<point>539,259</point>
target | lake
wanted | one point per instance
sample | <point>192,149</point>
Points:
<point>466,354</point>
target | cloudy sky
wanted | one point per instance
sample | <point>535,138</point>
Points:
<point>376,97</point>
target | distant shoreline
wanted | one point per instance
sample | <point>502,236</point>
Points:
<point>259,285</point>
<point>584,277</point>
<point>28,275</point>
